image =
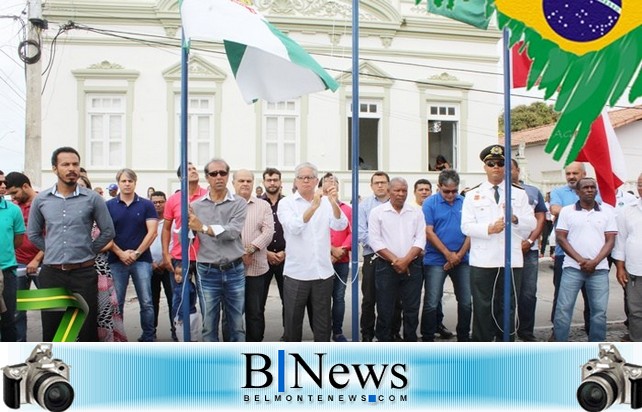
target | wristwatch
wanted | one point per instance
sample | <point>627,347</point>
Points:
<point>137,253</point>
<point>530,242</point>
<point>251,249</point>
<point>204,229</point>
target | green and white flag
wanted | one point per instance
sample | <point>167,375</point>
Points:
<point>267,64</point>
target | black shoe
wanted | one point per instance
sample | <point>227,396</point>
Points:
<point>443,332</point>
<point>174,336</point>
<point>527,337</point>
<point>464,339</point>
<point>426,339</point>
<point>366,338</point>
<point>397,338</point>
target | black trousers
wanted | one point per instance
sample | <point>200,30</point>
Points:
<point>161,279</point>
<point>83,281</point>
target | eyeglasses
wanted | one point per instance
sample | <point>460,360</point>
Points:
<point>215,173</point>
<point>498,163</point>
<point>306,178</point>
<point>2,182</point>
<point>449,192</point>
<point>158,202</point>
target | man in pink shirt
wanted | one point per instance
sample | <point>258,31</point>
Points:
<point>171,231</point>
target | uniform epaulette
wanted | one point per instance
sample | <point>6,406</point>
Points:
<point>468,189</point>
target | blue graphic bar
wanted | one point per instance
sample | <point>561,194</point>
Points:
<point>281,383</point>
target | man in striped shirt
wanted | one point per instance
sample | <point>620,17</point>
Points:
<point>256,236</point>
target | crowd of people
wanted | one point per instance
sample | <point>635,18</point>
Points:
<point>239,240</point>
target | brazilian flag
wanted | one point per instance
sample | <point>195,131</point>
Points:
<point>587,51</point>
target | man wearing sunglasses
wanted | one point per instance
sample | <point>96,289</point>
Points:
<point>219,218</point>
<point>483,220</point>
<point>446,254</point>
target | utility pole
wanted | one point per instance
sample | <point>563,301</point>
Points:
<point>30,54</point>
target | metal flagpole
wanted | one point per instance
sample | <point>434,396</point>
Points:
<point>355,171</point>
<point>508,210</point>
<point>185,307</point>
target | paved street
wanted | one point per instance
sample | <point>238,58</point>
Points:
<point>274,329</point>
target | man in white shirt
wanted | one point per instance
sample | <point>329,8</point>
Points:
<point>396,233</point>
<point>628,261</point>
<point>306,217</point>
<point>483,220</point>
<point>586,232</point>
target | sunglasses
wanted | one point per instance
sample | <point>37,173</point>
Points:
<point>215,173</point>
<point>449,192</point>
<point>498,163</point>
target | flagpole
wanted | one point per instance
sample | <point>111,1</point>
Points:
<point>184,191</point>
<point>355,171</point>
<point>508,210</point>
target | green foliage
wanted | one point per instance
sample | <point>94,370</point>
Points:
<point>528,116</point>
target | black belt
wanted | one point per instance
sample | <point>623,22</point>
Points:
<point>66,267</point>
<point>225,266</point>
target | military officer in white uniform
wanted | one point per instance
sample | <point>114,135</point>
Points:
<point>483,220</point>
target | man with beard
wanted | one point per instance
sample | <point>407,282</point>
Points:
<point>276,248</point>
<point>66,213</point>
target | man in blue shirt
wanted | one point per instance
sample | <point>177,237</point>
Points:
<point>135,222</point>
<point>379,184</point>
<point>446,254</point>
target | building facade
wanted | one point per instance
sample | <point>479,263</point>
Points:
<point>428,86</point>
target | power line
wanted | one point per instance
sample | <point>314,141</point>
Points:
<point>163,42</point>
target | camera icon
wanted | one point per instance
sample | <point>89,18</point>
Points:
<point>41,379</point>
<point>608,380</point>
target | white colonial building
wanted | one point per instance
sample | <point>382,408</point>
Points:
<point>428,86</point>
<point>539,168</point>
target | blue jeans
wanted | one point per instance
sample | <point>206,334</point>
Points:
<point>528,293</point>
<point>597,289</point>
<point>338,297</point>
<point>434,278</point>
<point>141,274</point>
<point>390,286</point>
<point>217,287</point>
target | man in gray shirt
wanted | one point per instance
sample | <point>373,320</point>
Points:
<point>66,213</point>
<point>219,218</point>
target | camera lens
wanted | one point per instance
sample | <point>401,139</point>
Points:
<point>58,396</point>
<point>597,392</point>
<point>53,392</point>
